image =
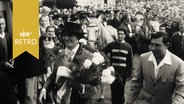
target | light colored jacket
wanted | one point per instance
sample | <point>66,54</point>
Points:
<point>166,88</point>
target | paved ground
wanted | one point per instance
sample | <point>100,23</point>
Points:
<point>107,94</point>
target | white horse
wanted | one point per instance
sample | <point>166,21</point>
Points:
<point>98,34</point>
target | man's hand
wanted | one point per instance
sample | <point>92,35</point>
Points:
<point>11,61</point>
<point>8,65</point>
<point>42,95</point>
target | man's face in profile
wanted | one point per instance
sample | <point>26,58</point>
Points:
<point>2,25</point>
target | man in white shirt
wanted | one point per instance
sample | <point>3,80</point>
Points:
<point>159,78</point>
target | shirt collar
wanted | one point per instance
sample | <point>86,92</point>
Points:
<point>2,35</point>
<point>74,50</point>
<point>165,60</point>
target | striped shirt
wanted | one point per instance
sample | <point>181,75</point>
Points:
<point>120,57</point>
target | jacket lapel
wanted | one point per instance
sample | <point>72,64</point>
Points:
<point>161,71</point>
<point>151,71</point>
<point>78,56</point>
<point>1,44</point>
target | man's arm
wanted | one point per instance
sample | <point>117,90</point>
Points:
<point>179,86</point>
<point>136,85</point>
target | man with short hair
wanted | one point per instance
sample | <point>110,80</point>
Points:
<point>162,28</point>
<point>177,42</point>
<point>83,21</point>
<point>121,56</point>
<point>159,78</point>
<point>42,25</point>
<point>128,27</point>
<point>6,88</point>
<point>115,22</point>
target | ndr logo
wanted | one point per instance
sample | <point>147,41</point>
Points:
<point>25,34</point>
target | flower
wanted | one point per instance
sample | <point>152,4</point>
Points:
<point>107,75</point>
<point>98,58</point>
<point>111,68</point>
<point>106,72</point>
<point>87,63</point>
<point>90,71</point>
<point>107,79</point>
<point>96,61</point>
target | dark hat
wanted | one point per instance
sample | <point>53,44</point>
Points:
<point>64,17</point>
<point>82,16</point>
<point>56,16</point>
<point>73,29</point>
<point>73,17</point>
<point>116,11</point>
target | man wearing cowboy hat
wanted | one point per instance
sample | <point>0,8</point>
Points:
<point>82,93</point>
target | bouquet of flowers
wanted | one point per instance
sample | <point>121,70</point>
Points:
<point>90,71</point>
<point>108,75</point>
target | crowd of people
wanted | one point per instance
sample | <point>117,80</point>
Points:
<point>72,62</point>
<point>160,17</point>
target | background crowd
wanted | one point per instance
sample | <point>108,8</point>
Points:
<point>68,29</point>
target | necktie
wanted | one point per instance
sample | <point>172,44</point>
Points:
<point>68,57</point>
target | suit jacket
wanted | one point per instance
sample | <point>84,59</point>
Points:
<point>6,88</point>
<point>176,45</point>
<point>2,52</point>
<point>166,88</point>
<point>125,27</point>
<point>115,22</point>
<point>79,58</point>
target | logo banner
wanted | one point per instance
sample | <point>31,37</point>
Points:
<point>25,27</point>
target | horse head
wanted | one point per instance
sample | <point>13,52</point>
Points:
<point>142,22</point>
<point>98,34</point>
<point>139,18</point>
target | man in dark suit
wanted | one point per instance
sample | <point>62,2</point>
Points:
<point>115,22</point>
<point>128,27</point>
<point>159,78</point>
<point>6,88</point>
<point>177,42</point>
<point>70,58</point>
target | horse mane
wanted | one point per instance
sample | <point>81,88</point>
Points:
<point>104,36</point>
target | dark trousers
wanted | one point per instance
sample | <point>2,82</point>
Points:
<point>7,93</point>
<point>77,99</point>
<point>117,92</point>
